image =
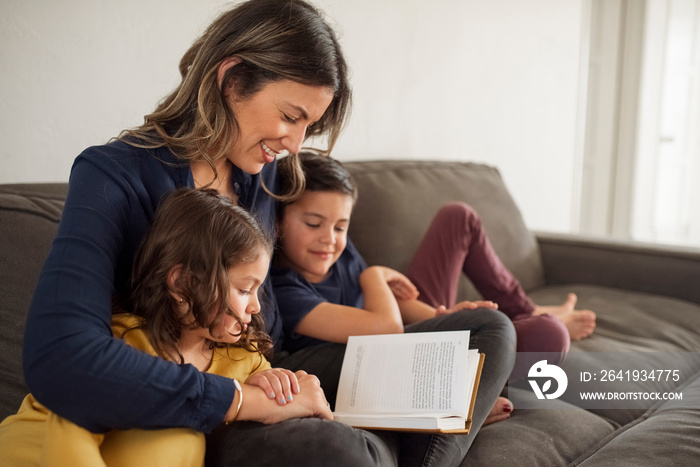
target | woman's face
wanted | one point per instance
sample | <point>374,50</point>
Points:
<point>274,120</point>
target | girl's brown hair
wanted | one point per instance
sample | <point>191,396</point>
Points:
<point>275,40</point>
<point>204,234</point>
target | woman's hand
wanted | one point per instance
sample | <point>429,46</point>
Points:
<point>400,285</point>
<point>465,305</point>
<point>310,401</point>
<point>278,383</point>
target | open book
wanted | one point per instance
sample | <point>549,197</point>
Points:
<point>413,381</point>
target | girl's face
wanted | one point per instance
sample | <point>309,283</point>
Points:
<point>243,300</point>
<point>244,284</point>
<point>314,232</point>
<point>274,120</point>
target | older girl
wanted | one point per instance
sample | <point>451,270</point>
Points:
<point>326,293</point>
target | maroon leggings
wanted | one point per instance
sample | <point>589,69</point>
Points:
<point>455,243</point>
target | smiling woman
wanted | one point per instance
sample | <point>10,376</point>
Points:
<point>251,89</point>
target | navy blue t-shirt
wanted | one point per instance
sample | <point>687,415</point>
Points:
<point>296,296</point>
<point>72,364</point>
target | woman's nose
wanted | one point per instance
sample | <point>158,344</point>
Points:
<point>294,139</point>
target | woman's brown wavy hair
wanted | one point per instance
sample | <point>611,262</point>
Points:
<point>204,234</point>
<point>275,40</point>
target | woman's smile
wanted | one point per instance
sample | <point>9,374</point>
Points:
<point>274,120</point>
<point>268,154</point>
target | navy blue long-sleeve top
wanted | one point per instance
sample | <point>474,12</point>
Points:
<point>296,297</point>
<point>72,363</point>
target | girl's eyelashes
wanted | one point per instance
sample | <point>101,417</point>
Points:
<point>316,226</point>
<point>244,292</point>
<point>290,119</point>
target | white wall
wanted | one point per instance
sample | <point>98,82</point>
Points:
<point>493,81</point>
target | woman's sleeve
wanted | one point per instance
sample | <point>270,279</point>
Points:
<point>72,363</point>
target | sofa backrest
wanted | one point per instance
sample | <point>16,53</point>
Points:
<point>397,200</point>
<point>29,216</point>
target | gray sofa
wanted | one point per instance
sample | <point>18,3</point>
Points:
<point>647,300</point>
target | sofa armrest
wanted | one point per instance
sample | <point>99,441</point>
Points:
<point>641,267</point>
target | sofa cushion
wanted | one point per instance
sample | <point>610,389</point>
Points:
<point>634,331</point>
<point>666,436</point>
<point>539,437</point>
<point>29,215</point>
<point>387,227</point>
<point>631,321</point>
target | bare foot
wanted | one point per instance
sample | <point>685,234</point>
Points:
<point>580,323</point>
<point>501,410</point>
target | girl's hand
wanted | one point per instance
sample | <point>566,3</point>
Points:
<point>400,285</point>
<point>466,305</point>
<point>279,384</point>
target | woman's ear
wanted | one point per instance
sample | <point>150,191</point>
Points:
<point>173,281</point>
<point>223,68</point>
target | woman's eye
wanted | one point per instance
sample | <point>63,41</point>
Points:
<point>244,292</point>
<point>340,229</point>
<point>290,119</point>
<point>313,226</point>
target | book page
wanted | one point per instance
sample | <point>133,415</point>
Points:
<point>398,373</point>
<point>472,366</point>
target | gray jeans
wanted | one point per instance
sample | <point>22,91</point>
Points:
<point>316,442</point>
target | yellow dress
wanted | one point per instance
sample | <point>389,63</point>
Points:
<point>36,436</point>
